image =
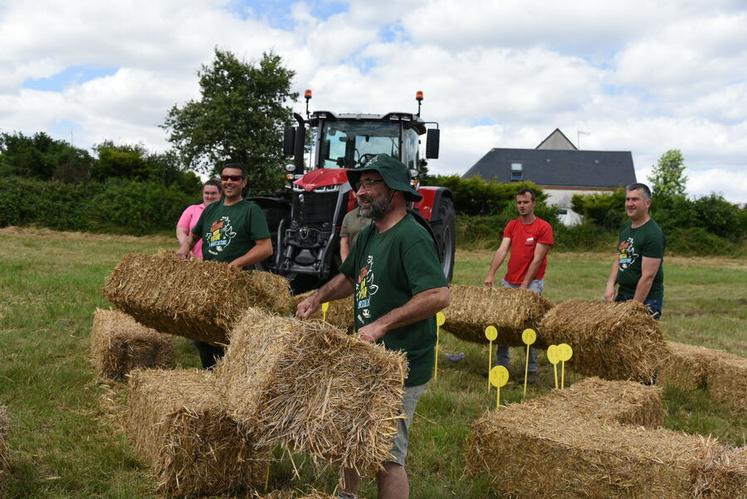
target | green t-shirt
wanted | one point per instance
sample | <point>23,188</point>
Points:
<point>633,244</point>
<point>229,232</point>
<point>388,269</point>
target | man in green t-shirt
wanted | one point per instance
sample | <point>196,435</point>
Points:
<point>638,270</point>
<point>234,231</point>
<point>398,286</point>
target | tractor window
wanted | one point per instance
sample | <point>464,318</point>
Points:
<point>345,144</point>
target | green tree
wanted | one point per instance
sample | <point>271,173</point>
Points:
<point>667,177</point>
<point>239,118</point>
<point>42,157</point>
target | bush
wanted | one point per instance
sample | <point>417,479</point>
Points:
<point>698,241</point>
<point>584,237</point>
<point>603,210</point>
<point>720,217</point>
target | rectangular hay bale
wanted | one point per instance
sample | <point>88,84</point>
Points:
<point>197,299</point>
<point>339,313</point>
<point>313,388</point>
<point>120,344</point>
<point>177,422</point>
<point>724,475</point>
<point>609,340</point>
<point>686,366</point>
<point>472,309</point>
<point>726,380</point>
<point>526,451</point>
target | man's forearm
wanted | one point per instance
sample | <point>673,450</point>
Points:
<point>338,287</point>
<point>643,287</point>
<point>258,253</point>
<point>421,306</point>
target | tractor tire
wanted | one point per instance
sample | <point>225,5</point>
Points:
<point>446,236</point>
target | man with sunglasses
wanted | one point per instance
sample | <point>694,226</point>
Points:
<point>398,286</point>
<point>233,231</point>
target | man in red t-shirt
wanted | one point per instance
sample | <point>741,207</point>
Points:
<point>528,238</point>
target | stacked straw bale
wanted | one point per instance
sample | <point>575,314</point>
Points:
<point>313,388</point>
<point>609,340</point>
<point>4,464</point>
<point>727,380</point>
<point>723,475</point>
<point>339,313</point>
<point>119,344</point>
<point>687,366</point>
<point>545,451</point>
<point>178,423</point>
<point>295,494</point>
<point>197,299</point>
<point>472,309</point>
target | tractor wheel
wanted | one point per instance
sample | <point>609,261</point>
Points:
<point>446,236</point>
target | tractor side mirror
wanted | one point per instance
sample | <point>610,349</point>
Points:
<point>289,141</point>
<point>432,143</point>
<point>299,147</point>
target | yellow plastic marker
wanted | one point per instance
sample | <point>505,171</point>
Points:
<point>528,336</point>
<point>491,333</point>
<point>325,307</point>
<point>498,377</point>
<point>565,352</point>
<point>267,476</point>
<point>440,321</point>
<point>552,356</point>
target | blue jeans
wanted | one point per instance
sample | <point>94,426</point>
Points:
<point>538,285</point>
<point>654,305</point>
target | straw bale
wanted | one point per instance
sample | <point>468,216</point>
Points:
<point>119,344</point>
<point>687,366</point>
<point>726,380</point>
<point>197,299</point>
<point>339,313</point>
<point>525,451</point>
<point>609,340</point>
<point>624,402</point>
<point>4,431</point>
<point>295,494</point>
<point>311,387</point>
<point>723,475</point>
<point>472,309</point>
<point>178,423</point>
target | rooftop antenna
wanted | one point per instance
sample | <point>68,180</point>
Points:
<point>307,96</point>
<point>579,133</point>
<point>419,98</point>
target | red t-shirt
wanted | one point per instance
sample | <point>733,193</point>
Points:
<point>524,239</point>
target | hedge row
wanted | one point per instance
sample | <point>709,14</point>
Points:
<point>115,206</point>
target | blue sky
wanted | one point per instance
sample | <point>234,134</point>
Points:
<point>667,74</point>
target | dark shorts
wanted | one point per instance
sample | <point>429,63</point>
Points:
<point>654,305</point>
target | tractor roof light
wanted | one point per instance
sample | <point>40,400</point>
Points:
<point>419,98</point>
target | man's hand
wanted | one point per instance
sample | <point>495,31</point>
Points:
<point>609,293</point>
<point>371,332</point>
<point>307,307</point>
<point>488,283</point>
<point>183,252</point>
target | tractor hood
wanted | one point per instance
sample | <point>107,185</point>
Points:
<point>322,177</point>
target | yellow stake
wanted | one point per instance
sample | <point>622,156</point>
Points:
<point>325,307</point>
<point>565,352</point>
<point>491,333</point>
<point>552,356</point>
<point>267,476</point>
<point>528,336</point>
<point>498,377</point>
<point>440,321</point>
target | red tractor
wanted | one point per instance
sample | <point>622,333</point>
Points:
<point>306,221</point>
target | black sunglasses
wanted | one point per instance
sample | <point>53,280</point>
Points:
<point>235,178</point>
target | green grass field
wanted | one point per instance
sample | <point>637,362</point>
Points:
<point>62,443</point>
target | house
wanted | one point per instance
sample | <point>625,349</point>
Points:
<point>560,169</point>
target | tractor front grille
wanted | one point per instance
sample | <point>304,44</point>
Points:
<point>314,207</point>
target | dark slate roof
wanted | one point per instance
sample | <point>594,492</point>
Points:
<point>558,168</point>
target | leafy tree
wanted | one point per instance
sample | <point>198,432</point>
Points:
<point>667,177</point>
<point>239,118</point>
<point>42,157</point>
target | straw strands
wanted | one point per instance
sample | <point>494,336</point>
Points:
<point>472,309</point>
<point>197,299</point>
<point>177,423</point>
<point>339,313</point>
<point>724,475</point>
<point>547,452</point>
<point>311,387</point>
<point>295,494</point>
<point>119,344</point>
<point>727,380</point>
<point>609,340</point>
<point>4,431</point>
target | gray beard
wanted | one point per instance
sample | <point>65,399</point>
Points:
<point>377,208</point>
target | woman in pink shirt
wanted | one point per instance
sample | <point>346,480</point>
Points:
<point>210,193</point>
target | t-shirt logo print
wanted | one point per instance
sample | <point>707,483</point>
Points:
<point>365,288</point>
<point>626,253</point>
<point>220,235</point>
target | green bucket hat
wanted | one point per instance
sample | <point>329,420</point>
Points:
<point>393,171</point>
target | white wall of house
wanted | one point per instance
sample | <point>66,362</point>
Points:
<point>562,199</point>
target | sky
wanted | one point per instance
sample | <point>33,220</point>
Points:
<point>639,76</point>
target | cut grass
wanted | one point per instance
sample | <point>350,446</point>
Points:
<point>62,443</point>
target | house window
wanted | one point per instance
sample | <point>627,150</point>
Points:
<point>516,172</point>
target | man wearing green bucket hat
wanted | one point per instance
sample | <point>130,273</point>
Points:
<point>399,285</point>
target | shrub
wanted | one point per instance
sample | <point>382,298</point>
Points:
<point>718,216</point>
<point>604,210</point>
<point>698,241</point>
